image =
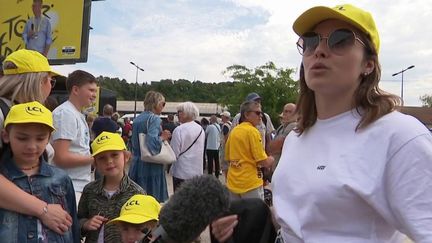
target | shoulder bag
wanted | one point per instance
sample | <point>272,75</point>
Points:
<point>166,155</point>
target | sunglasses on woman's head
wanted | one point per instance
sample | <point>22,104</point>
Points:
<point>338,42</point>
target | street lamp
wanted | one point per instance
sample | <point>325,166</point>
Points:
<point>136,84</point>
<point>401,72</point>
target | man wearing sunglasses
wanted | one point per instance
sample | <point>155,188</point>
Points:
<point>246,155</point>
<point>265,127</point>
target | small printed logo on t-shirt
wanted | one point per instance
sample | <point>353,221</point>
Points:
<point>321,167</point>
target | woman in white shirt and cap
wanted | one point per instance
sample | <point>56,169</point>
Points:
<point>356,170</point>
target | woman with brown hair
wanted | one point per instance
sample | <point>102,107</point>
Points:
<point>356,170</point>
<point>28,77</point>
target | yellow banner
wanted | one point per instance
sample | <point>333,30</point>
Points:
<point>65,16</point>
<point>94,107</point>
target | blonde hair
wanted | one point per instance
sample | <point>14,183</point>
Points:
<point>25,87</point>
<point>152,99</point>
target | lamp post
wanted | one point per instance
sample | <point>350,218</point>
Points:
<point>402,72</point>
<point>136,84</point>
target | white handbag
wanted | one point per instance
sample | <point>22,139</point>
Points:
<point>166,155</point>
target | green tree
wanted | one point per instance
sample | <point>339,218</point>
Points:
<point>426,100</point>
<point>274,84</point>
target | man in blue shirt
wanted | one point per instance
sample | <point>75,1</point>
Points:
<point>37,31</point>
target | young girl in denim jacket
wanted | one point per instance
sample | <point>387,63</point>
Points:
<point>27,130</point>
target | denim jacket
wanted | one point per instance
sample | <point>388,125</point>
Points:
<point>51,185</point>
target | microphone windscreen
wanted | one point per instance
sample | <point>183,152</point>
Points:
<point>195,205</point>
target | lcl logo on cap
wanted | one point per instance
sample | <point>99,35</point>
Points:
<point>131,203</point>
<point>102,139</point>
<point>34,110</point>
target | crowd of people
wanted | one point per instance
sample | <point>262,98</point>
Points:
<point>343,166</point>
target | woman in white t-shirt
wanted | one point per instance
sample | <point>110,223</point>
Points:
<point>356,170</point>
<point>187,143</point>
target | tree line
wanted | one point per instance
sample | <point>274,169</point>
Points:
<point>275,84</point>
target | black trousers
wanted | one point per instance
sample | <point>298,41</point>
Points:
<point>213,156</point>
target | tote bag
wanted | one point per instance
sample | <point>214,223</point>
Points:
<point>166,155</point>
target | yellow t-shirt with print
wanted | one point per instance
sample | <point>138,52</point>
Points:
<point>243,150</point>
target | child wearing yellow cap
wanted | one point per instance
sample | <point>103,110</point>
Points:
<point>26,133</point>
<point>103,198</point>
<point>138,215</point>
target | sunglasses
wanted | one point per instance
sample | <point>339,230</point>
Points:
<point>258,113</point>
<point>163,104</point>
<point>338,42</point>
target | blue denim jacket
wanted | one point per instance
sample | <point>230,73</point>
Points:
<point>51,185</point>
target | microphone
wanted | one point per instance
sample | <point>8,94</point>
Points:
<point>195,205</point>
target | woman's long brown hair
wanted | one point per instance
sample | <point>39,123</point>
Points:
<point>369,100</point>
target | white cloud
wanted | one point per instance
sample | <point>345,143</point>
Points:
<point>195,39</point>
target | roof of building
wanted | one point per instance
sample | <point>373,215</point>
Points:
<point>170,107</point>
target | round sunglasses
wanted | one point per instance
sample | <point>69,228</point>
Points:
<point>338,42</point>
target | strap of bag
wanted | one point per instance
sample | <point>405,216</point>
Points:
<point>148,120</point>
<point>217,127</point>
<point>191,144</point>
<point>4,108</point>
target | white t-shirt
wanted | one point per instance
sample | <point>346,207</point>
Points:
<point>336,185</point>
<point>213,136</point>
<point>190,163</point>
<point>70,124</point>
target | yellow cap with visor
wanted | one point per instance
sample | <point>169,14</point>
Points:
<point>348,13</point>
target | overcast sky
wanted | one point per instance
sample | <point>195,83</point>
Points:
<point>198,39</point>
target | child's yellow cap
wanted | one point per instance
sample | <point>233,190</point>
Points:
<point>31,112</point>
<point>107,141</point>
<point>139,209</point>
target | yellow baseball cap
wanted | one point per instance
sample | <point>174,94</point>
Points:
<point>139,209</point>
<point>28,61</point>
<point>31,112</point>
<point>107,141</point>
<point>346,12</point>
